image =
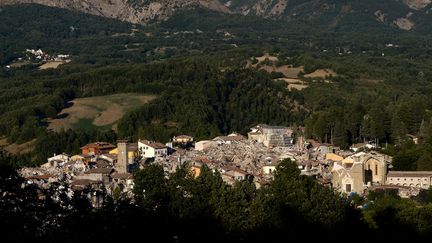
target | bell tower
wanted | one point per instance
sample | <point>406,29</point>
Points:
<point>122,156</point>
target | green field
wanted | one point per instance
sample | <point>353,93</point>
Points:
<point>101,112</point>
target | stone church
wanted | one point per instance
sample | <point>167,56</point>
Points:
<point>360,171</point>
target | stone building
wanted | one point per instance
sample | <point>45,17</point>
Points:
<point>122,157</point>
<point>271,136</point>
<point>417,179</point>
<point>360,171</point>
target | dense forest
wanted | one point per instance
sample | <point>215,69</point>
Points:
<point>182,208</point>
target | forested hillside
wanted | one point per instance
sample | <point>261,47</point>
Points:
<point>198,69</point>
<point>356,81</point>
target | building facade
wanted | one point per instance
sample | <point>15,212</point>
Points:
<point>271,136</point>
<point>149,149</point>
<point>417,179</point>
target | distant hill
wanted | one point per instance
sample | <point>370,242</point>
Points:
<point>329,14</point>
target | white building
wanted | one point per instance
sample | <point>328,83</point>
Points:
<point>149,149</point>
<point>56,160</point>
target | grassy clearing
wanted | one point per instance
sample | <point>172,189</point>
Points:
<point>18,148</point>
<point>52,64</point>
<point>100,112</point>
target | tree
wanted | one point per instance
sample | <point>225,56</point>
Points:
<point>424,163</point>
<point>150,188</point>
<point>398,130</point>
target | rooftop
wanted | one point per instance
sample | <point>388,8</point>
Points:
<point>83,182</point>
<point>154,145</point>
<point>409,174</point>
<point>100,171</point>
<point>124,176</point>
<point>99,145</point>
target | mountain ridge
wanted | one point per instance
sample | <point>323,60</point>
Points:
<point>397,13</point>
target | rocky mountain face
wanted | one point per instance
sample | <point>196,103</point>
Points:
<point>400,13</point>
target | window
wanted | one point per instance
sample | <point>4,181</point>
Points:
<point>376,169</point>
<point>348,187</point>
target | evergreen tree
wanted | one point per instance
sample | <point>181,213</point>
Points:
<point>424,163</point>
<point>399,131</point>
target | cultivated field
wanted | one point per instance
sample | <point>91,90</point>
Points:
<point>52,64</point>
<point>98,112</point>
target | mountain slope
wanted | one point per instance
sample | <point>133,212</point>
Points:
<point>330,14</point>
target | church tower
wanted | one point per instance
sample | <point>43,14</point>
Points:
<point>122,156</point>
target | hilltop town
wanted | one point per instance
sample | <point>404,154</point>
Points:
<point>236,157</point>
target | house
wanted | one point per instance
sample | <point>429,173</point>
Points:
<point>96,174</point>
<point>234,172</point>
<point>272,136</point>
<point>97,148</point>
<point>149,149</point>
<point>204,145</point>
<point>417,179</point>
<point>56,160</point>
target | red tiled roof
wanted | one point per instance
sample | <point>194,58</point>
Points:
<point>99,145</point>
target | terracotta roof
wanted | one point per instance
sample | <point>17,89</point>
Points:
<point>133,147</point>
<point>409,174</point>
<point>100,171</point>
<point>83,182</point>
<point>122,176</point>
<point>203,160</point>
<point>99,145</point>
<point>154,145</point>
